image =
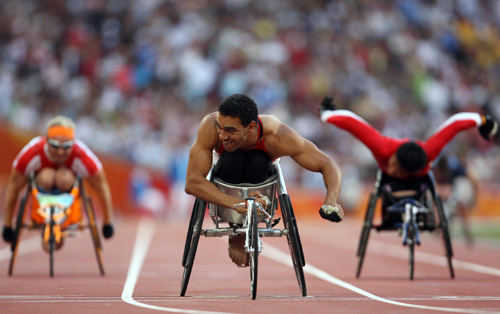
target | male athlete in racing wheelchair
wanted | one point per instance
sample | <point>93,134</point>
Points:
<point>405,182</point>
<point>52,167</point>
<point>244,145</point>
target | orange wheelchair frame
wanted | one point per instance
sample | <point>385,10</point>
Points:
<point>57,215</point>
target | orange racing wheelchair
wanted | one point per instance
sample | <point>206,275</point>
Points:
<point>57,216</point>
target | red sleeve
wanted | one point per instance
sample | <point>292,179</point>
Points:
<point>29,158</point>
<point>447,131</point>
<point>84,161</point>
<point>382,147</point>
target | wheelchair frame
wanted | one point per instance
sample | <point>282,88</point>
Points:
<point>409,207</point>
<point>250,228</point>
<point>52,226</point>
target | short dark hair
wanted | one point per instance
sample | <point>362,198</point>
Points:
<point>411,157</point>
<point>240,106</point>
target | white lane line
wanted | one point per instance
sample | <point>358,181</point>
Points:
<point>25,246</point>
<point>429,258</point>
<point>143,239</point>
<point>278,256</point>
<point>400,251</point>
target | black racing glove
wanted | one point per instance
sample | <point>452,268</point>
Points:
<point>7,234</point>
<point>107,231</point>
<point>326,104</point>
<point>489,128</point>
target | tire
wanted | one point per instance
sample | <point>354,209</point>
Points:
<point>17,231</point>
<point>411,246</point>
<point>194,232</point>
<point>254,253</point>
<point>52,241</point>
<point>365,232</point>
<point>94,230</point>
<point>446,234</point>
<point>293,240</point>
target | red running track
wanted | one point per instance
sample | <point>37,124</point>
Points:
<point>143,274</point>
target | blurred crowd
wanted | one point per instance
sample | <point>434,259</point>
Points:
<point>138,76</point>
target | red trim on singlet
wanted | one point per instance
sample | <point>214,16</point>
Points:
<point>260,145</point>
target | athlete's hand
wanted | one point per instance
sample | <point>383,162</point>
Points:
<point>326,104</point>
<point>333,213</point>
<point>7,234</point>
<point>108,230</point>
<point>260,198</point>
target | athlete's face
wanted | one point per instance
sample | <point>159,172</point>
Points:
<point>60,148</point>
<point>231,132</point>
<point>395,170</point>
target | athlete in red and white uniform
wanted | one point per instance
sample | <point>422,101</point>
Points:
<point>385,149</point>
<point>56,159</point>
<point>35,156</point>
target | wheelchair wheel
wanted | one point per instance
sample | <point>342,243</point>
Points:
<point>193,236</point>
<point>365,232</point>
<point>17,231</point>
<point>94,231</point>
<point>411,245</point>
<point>254,252</point>
<point>52,241</point>
<point>293,240</point>
<point>446,234</point>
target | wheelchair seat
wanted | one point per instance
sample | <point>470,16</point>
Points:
<point>395,194</point>
<point>242,190</point>
<point>66,205</point>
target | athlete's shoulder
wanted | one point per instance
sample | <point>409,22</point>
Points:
<point>35,145</point>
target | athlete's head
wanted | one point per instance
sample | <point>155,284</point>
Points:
<point>240,106</point>
<point>60,137</point>
<point>411,157</point>
<point>237,118</point>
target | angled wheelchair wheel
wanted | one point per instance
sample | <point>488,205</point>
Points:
<point>293,240</point>
<point>446,234</point>
<point>254,252</point>
<point>193,236</point>
<point>411,238</point>
<point>52,241</point>
<point>17,231</point>
<point>94,230</point>
<point>365,232</point>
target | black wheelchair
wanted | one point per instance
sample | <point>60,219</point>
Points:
<point>257,223</point>
<point>57,216</point>
<point>415,210</point>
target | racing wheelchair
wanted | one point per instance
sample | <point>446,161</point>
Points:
<point>418,209</point>
<point>57,216</point>
<point>257,223</point>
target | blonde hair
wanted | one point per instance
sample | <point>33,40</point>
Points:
<point>62,121</point>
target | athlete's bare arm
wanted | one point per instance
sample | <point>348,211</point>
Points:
<point>287,142</point>
<point>16,182</point>
<point>99,182</point>
<point>200,163</point>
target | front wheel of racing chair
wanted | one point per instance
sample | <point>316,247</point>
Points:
<point>253,247</point>
<point>51,241</point>
<point>192,238</point>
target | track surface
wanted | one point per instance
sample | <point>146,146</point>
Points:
<point>143,274</point>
